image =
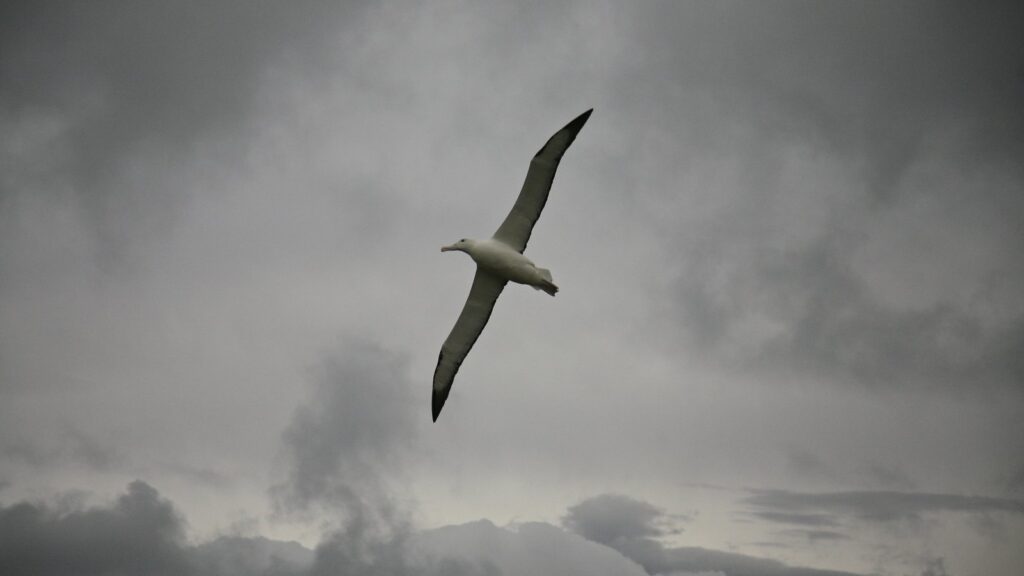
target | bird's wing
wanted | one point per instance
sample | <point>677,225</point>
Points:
<point>515,230</point>
<point>482,296</point>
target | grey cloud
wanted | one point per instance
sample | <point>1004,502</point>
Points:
<point>888,477</point>
<point>990,526</point>
<point>598,517</point>
<point>691,559</point>
<point>348,444</point>
<point>660,560</point>
<point>204,476</point>
<point>72,446</point>
<point>796,518</point>
<point>476,548</point>
<point>770,544</point>
<point>351,551</point>
<point>752,162</point>
<point>164,72</point>
<point>346,450</point>
<point>142,534</point>
<point>876,475</point>
<point>1016,480</point>
<point>810,464</point>
<point>867,81</point>
<point>109,92</point>
<point>139,534</point>
<point>935,567</point>
<point>882,506</point>
<point>529,548</point>
<point>832,327</point>
<point>776,275</point>
<point>608,518</point>
<point>814,536</point>
<point>237,556</point>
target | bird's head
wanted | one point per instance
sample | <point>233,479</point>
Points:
<point>462,245</point>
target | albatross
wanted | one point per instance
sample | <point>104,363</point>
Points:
<point>500,259</point>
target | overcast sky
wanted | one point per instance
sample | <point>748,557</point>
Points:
<point>789,339</point>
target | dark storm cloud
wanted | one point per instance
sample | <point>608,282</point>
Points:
<point>139,534</point>
<point>142,534</point>
<point>867,80</point>
<point>879,506</point>
<point>115,91</point>
<point>630,526</point>
<point>164,72</point>
<point>899,98</point>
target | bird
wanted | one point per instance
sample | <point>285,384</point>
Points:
<point>500,259</point>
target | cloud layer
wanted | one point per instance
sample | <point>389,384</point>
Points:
<point>792,507</point>
<point>788,244</point>
<point>632,526</point>
<point>142,533</point>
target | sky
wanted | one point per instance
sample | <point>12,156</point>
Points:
<point>788,340</point>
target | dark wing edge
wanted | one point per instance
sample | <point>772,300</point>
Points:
<point>475,314</point>
<point>515,230</point>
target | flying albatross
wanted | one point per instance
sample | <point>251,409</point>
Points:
<point>500,259</point>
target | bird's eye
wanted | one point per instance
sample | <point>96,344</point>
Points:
<point>463,240</point>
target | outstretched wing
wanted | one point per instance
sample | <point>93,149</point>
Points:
<point>515,230</point>
<point>482,296</point>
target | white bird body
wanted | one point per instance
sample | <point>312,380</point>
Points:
<point>504,261</point>
<point>500,260</point>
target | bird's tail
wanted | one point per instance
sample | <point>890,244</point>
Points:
<point>546,284</point>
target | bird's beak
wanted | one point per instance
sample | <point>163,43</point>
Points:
<point>447,248</point>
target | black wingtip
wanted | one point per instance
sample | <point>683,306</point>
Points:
<point>437,402</point>
<point>571,129</point>
<point>577,123</point>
